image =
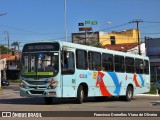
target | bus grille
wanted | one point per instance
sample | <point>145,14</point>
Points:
<point>36,92</point>
<point>37,82</point>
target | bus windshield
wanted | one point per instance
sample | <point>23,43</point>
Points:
<point>40,64</point>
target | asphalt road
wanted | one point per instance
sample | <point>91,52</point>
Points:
<point>10,100</point>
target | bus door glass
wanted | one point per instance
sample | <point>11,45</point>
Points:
<point>146,73</point>
<point>68,73</point>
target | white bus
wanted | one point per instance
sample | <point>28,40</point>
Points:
<point>62,70</point>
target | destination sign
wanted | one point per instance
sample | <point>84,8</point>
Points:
<point>41,47</point>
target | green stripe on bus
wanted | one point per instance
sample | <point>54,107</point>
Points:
<point>44,73</point>
<point>30,73</point>
<point>38,73</point>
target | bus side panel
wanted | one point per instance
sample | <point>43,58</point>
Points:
<point>119,80</point>
<point>69,85</point>
<point>102,83</point>
<point>86,77</point>
<point>140,82</point>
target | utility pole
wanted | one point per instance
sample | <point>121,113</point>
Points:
<point>8,40</point>
<point>137,22</point>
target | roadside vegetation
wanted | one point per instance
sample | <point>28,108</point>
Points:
<point>14,81</point>
<point>153,90</point>
<point>0,90</point>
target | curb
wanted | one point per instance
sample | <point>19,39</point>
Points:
<point>1,92</point>
<point>148,95</point>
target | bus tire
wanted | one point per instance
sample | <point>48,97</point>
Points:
<point>128,96</point>
<point>129,93</point>
<point>80,95</point>
<point>48,100</point>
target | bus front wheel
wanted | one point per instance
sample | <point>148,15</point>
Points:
<point>48,100</point>
<point>80,95</point>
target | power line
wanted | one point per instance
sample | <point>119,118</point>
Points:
<point>151,22</point>
<point>150,33</point>
<point>3,14</point>
<point>19,29</point>
<point>35,34</point>
<point>114,27</point>
<point>151,26</point>
<point>137,21</point>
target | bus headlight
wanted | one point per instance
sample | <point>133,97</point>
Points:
<point>22,85</point>
<point>53,85</point>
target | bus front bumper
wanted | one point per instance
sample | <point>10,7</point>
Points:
<point>38,92</point>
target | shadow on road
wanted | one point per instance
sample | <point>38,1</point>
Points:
<point>40,101</point>
<point>22,101</point>
<point>13,89</point>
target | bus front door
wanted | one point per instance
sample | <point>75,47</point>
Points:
<point>68,74</point>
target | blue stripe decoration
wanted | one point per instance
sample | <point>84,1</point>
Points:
<point>142,80</point>
<point>116,82</point>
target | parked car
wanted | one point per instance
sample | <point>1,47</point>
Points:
<point>4,82</point>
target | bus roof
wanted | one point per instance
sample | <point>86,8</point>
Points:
<point>91,48</point>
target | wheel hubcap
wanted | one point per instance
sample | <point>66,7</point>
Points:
<point>82,95</point>
<point>129,94</point>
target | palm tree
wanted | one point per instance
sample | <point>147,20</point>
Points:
<point>15,44</point>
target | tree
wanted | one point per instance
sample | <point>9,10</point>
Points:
<point>15,44</point>
<point>4,50</point>
<point>93,43</point>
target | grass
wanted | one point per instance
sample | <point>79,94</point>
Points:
<point>153,90</point>
<point>14,81</point>
<point>0,90</point>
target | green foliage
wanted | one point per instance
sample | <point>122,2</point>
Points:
<point>15,44</point>
<point>93,43</point>
<point>0,90</point>
<point>14,81</point>
<point>4,50</point>
<point>153,90</point>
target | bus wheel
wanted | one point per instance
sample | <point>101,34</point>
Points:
<point>80,95</point>
<point>48,100</point>
<point>129,93</point>
<point>128,96</point>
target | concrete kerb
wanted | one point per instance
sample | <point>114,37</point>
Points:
<point>148,95</point>
<point>1,92</point>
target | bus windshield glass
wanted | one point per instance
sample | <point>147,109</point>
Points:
<point>40,64</point>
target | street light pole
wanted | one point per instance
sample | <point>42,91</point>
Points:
<point>0,45</point>
<point>0,50</point>
<point>65,26</point>
<point>137,22</point>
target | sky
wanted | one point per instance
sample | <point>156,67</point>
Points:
<point>36,20</point>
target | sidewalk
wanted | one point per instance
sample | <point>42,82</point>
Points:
<point>149,95</point>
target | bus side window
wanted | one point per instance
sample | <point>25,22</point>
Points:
<point>139,66</point>
<point>107,62</point>
<point>67,62</point>
<point>81,59</point>
<point>94,59</point>
<point>129,62</point>
<point>119,63</point>
<point>146,67</point>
